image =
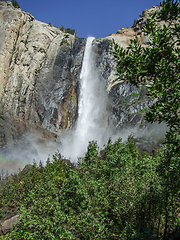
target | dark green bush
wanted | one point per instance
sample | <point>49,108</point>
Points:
<point>157,67</point>
<point>118,193</point>
<point>114,195</point>
<point>15,4</point>
<point>67,30</point>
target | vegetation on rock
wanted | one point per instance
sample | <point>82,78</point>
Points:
<point>118,192</point>
<point>15,4</point>
<point>67,30</point>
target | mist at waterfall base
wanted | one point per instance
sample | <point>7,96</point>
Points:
<point>93,123</point>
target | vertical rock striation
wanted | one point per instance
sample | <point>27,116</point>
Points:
<point>39,71</point>
<point>39,68</point>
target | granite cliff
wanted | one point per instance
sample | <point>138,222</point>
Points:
<point>39,67</point>
<point>39,71</point>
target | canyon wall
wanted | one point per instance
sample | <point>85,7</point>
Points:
<point>39,68</point>
<point>39,72</point>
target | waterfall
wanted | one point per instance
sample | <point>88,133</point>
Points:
<point>92,118</point>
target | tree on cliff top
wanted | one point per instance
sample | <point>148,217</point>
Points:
<point>15,4</point>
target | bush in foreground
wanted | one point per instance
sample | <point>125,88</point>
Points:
<point>117,194</point>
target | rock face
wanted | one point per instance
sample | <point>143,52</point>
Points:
<point>39,71</point>
<point>39,68</point>
<point>126,102</point>
<point>7,225</point>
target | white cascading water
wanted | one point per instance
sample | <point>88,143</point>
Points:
<point>92,123</point>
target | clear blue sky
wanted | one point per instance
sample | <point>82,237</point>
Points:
<point>97,18</point>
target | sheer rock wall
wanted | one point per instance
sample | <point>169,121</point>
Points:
<point>39,68</point>
<point>39,72</point>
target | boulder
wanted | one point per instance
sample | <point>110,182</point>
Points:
<point>7,225</point>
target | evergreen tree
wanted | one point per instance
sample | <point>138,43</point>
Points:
<point>15,4</point>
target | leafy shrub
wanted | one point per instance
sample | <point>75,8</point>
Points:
<point>19,186</point>
<point>118,193</point>
<point>2,117</point>
<point>157,67</point>
<point>71,31</point>
<point>64,41</point>
<point>114,194</point>
<point>15,4</point>
<point>67,30</point>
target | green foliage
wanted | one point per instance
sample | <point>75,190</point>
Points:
<point>67,30</point>
<point>26,42</point>
<point>71,31</point>
<point>92,153</point>
<point>112,195</point>
<point>115,194</point>
<point>2,117</point>
<point>15,4</point>
<point>62,28</point>
<point>19,185</point>
<point>158,68</point>
<point>64,41</point>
